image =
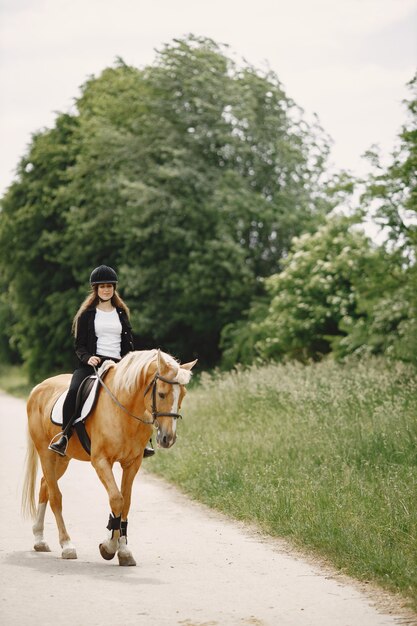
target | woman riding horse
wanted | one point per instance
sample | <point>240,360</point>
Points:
<point>143,392</point>
<point>102,332</point>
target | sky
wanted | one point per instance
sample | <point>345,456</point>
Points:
<point>348,61</point>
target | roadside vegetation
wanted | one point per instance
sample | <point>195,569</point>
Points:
<point>14,380</point>
<point>324,455</point>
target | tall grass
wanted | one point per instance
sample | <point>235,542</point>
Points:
<point>325,455</point>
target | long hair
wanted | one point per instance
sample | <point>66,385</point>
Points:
<point>92,300</point>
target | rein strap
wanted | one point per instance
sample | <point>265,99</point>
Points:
<point>155,413</point>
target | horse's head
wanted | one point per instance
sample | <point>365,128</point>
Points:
<point>166,393</point>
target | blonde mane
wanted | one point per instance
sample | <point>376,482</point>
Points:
<point>131,372</point>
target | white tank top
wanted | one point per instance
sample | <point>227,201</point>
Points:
<point>108,332</point>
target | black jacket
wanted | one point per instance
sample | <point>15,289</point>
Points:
<point>86,340</point>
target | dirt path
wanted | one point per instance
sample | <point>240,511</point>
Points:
<point>195,568</point>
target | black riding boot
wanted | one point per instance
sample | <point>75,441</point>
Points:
<point>149,450</point>
<point>60,446</point>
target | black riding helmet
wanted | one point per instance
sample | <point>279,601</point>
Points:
<point>103,274</point>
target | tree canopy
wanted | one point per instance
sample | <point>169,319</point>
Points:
<point>339,292</point>
<point>326,298</point>
<point>190,177</point>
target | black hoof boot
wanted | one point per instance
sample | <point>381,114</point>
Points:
<point>148,452</point>
<point>60,447</point>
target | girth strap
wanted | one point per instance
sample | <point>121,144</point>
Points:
<point>83,436</point>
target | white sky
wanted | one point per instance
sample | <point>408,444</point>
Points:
<point>346,60</point>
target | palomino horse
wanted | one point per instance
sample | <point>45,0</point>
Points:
<point>144,390</point>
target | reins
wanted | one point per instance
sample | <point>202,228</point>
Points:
<point>155,413</point>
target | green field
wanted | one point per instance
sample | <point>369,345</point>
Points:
<point>324,455</point>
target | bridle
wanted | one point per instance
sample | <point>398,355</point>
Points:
<point>155,413</point>
<point>152,384</point>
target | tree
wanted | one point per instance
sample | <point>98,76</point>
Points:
<point>39,291</point>
<point>212,176</point>
<point>190,177</point>
<point>325,299</point>
<point>310,296</point>
<point>391,195</point>
<point>391,192</point>
<point>337,292</point>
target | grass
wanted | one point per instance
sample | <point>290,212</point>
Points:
<point>14,380</point>
<point>324,455</point>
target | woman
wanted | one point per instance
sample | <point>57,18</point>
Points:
<point>102,331</point>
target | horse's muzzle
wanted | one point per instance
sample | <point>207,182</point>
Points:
<point>165,440</point>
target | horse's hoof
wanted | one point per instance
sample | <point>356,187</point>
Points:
<point>41,546</point>
<point>126,559</point>
<point>69,553</point>
<point>106,555</point>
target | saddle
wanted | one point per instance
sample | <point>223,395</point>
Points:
<point>86,400</point>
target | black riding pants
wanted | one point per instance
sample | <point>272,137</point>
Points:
<point>69,404</point>
<point>78,376</point>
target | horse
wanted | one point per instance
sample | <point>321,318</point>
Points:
<point>141,392</point>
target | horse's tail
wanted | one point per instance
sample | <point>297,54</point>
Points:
<point>28,495</point>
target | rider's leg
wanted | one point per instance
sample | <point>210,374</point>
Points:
<point>68,409</point>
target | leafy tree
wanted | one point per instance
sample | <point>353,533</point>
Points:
<point>8,350</point>
<point>190,177</point>
<point>325,299</point>
<point>39,295</point>
<point>209,176</point>
<point>338,292</point>
<point>391,194</point>
<point>309,298</point>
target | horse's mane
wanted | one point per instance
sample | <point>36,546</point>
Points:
<point>133,368</point>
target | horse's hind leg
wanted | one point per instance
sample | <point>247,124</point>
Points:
<point>53,468</point>
<point>37,528</point>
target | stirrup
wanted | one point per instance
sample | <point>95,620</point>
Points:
<point>54,445</point>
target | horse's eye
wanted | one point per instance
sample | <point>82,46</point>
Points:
<point>161,395</point>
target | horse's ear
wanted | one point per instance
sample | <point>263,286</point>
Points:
<point>188,366</point>
<point>162,364</point>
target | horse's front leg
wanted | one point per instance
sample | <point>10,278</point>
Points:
<point>129,472</point>
<point>109,546</point>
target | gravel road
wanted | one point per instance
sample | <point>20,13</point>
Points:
<point>195,567</point>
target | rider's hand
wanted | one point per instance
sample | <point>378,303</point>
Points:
<point>93,360</point>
